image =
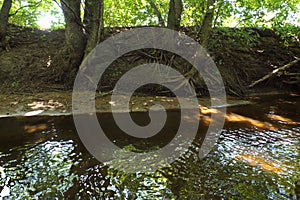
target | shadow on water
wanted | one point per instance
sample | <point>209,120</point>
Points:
<point>257,157</point>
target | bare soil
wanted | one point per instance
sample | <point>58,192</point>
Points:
<point>33,76</point>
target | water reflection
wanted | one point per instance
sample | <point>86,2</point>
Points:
<point>281,119</point>
<point>38,171</point>
<point>247,163</point>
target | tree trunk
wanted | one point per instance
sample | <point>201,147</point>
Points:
<point>205,30</point>
<point>93,21</point>
<point>101,26</point>
<point>75,39</point>
<point>4,15</point>
<point>174,16</point>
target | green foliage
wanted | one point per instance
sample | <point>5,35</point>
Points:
<point>29,13</point>
<point>24,13</point>
<point>132,13</point>
<point>282,16</point>
<point>255,13</point>
<point>15,84</point>
<point>278,14</point>
<point>193,12</point>
<point>288,33</point>
<point>244,36</point>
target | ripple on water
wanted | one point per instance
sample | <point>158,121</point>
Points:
<point>39,171</point>
<point>247,163</point>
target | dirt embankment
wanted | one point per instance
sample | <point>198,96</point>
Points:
<point>35,62</point>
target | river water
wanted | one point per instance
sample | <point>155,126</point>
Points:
<point>257,157</point>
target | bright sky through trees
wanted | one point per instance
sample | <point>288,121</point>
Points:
<point>47,14</point>
<point>46,21</point>
<point>51,18</point>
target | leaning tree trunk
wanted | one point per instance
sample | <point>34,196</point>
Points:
<point>75,39</point>
<point>4,15</point>
<point>93,21</point>
<point>174,16</point>
<point>193,75</point>
<point>205,30</point>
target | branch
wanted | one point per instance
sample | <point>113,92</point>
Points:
<point>57,4</point>
<point>275,71</point>
<point>157,12</point>
<point>218,13</point>
<point>242,20</point>
<point>78,20</point>
<point>22,7</point>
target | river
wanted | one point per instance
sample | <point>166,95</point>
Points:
<point>257,156</point>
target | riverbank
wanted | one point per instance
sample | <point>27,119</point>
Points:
<point>60,103</point>
<point>36,62</point>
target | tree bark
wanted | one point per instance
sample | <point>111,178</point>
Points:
<point>101,26</point>
<point>174,16</point>
<point>93,21</point>
<point>75,39</point>
<point>206,26</point>
<point>4,15</point>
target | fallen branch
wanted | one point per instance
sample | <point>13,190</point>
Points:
<point>274,72</point>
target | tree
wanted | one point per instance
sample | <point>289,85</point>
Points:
<point>75,39</point>
<point>161,21</point>
<point>4,15</point>
<point>206,26</point>
<point>174,16</point>
<point>93,21</point>
<point>81,38</point>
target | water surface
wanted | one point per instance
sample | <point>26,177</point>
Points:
<point>43,158</point>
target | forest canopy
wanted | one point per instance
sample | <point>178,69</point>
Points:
<point>229,13</point>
